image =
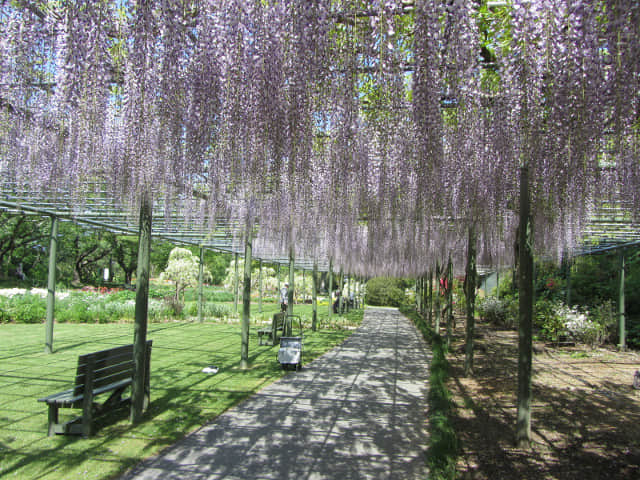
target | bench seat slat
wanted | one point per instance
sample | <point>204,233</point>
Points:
<point>68,398</point>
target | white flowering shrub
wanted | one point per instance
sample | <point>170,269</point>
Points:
<point>581,328</point>
<point>183,270</point>
<point>494,310</point>
<point>560,320</point>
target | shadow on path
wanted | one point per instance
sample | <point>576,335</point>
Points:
<point>357,412</point>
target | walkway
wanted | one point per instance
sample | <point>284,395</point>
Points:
<point>358,412</point>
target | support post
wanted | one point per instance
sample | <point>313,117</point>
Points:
<point>278,277</point>
<point>291,281</point>
<point>470,294</point>
<point>341,298</point>
<point>304,288</point>
<point>246,303</point>
<point>449,308</point>
<point>430,299</point>
<point>200,286</point>
<point>260,286</point>
<point>236,284</point>
<point>142,307</point>
<point>621,315</point>
<point>314,297</point>
<point>51,286</point>
<point>525,338</point>
<point>330,288</point>
<point>438,312</point>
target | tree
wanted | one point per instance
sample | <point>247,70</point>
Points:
<point>125,250</point>
<point>21,240</point>
<point>183,269</point>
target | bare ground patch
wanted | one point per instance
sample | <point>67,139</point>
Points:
<point>585,420</point>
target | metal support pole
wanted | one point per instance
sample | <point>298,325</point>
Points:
<point>341,298</point>
<point>260,286</point>
<point>621,316</point>
<point>290,292</point>
<point>200,286</point>
<point>314,297</point>
<point>278,277</point>
<point>330,288</point>
<point>51,286</point>
<point>236,285</point>
<point>246,304</point>
<point>304,288</point>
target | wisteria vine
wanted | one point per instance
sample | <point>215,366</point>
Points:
<point>370,132</point>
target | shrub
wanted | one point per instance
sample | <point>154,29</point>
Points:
<point>494,310</point>
<point>384,291</point>
<point>209,309</point>
<point>26,308</point>
<point>556,320</point>
<point>548,321</point>
<point>580,328</point>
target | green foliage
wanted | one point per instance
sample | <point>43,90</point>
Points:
<point>443,440</point>
<point>209,310</point>
<point>548,321</point>
<point>217,263</point>
<point>160,291</point>
<point>183,270</point>
<point>386,291</point>
<point>633,332</point>
<point>594,279</point>
<point>555,321</point>
<point>25,308</point>
<point>494,310</point>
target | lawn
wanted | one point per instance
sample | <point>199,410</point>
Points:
<point>182,396</point>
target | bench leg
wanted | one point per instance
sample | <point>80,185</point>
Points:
<point>53,419</point>
<point>87,401</point>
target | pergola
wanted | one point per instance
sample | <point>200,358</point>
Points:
<point>380,137</point>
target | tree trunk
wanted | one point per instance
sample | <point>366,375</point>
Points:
<point>449,307</point>
<point>430,298</point>
<point>525,287</point>
<point>470,294</point>
<point>438,312</point>
<point>142,308</point>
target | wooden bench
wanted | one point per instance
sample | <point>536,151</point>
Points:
<point>100,372</point>
<point>270,334</point>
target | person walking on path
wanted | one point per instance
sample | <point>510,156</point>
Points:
<point>284,297</point>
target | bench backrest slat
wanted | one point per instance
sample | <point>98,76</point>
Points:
<point>109,366</point>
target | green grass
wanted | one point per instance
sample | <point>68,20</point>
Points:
<point>443,440</point>
<point>182,397</point>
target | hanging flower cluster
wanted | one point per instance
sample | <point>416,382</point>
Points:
<point>374,133</point>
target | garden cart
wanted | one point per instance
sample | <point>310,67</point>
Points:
<point>290,352</point>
